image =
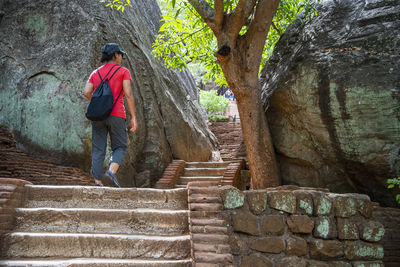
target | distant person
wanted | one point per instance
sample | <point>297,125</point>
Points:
<point>115,125</point>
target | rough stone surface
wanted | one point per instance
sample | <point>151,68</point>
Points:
<point>332,90</point>
<point>323,204</point>
<point>41,85</point>
<point>273,224</point>
<point>368,264</point>
<point>347,229</point>
<point>296,246</point>
<point>325,249</point>
<point>268,244</point>
<point>245,222</point>
<point>390,219</point>
<point>305,203</point>
<point>372,231</point>
<point>345,206</point>
<point>256,260</point>
<point>291,262</point>
<point>282,200</point>
<point>257,201</point>
<point>359,250</point>
<point>300,224</point>
<point>339,264</point>
<point>232,197</point>
<point>325,227</point>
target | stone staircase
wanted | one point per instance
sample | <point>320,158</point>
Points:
<point>202,172</point>
<point>229,135</point>
<point>98,226</point>
<point>208,226</point>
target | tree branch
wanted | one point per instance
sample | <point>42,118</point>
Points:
<point>258,30</point>
<point>239,16</point>
<point>219,14</point>
<point>205,11</point>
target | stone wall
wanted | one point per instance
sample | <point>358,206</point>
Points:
<point>293,226</point>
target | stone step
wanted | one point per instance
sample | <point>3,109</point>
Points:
<point>68,245</point>
<point>37,196</point>
<point>208,222</point>
<point>96,262</point>
<point>213,257</point>
<point>214,248</point>
<point>136,221</point>
<point>180,186</point>
<point>206,164</point>
<point>203,184</point>
<point>185,180</point>
<point>207,229</point>
<point>203,171</point>
<point>196,191</point>
<point>205,206</point>
<point>205,199</point>
<point>210,238</point>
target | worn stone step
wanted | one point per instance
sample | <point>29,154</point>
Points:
<point>203,171</point>
<point>204,199</point>
<point>37,196</point>
<point>180,186</point>
<point>203,191</point>
<point>214,248</point>
<point>210,238</point>
<point>207,221</point>
<point>205,206</point>
<point>206,164</point>
<point>206,184</point>
<point>213,257</point>
<point>185,180</point>
<point>135,221</point>
<point>68,245</point>
<point>208,229</point>
<point>96,262</point>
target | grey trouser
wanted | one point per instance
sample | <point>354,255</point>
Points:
<point>116,127</point>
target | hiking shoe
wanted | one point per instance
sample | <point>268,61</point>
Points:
<point>96,184</point>
<point>111,179</point>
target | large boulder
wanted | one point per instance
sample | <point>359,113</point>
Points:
<point>332,89</point>
<point>47,51</point>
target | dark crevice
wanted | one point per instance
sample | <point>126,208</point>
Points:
<point>44,72</point>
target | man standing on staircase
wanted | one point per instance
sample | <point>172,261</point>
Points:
<point>115,125</point>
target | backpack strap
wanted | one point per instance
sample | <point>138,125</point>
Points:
<point>120,92</point>
<point>98,72</point>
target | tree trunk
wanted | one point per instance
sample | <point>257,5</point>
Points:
<point>257,139</point>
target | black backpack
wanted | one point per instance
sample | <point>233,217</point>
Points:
<point>101,104</point>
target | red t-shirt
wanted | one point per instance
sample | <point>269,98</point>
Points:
<point>115,84</point>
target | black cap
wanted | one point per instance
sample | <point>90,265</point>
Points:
<point>111,48</point>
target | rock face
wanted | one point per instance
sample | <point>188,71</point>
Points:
<point>47,53</point>
<point>332,88</point>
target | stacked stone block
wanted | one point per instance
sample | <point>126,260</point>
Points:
<point>290,226</point>
<point>171,175</point>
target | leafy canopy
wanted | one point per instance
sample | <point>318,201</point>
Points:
<point>184,38</point>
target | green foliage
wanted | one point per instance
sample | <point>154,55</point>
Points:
<point>184,38</point>
<point>214,104</point>
<point>392,183</point>
<point>117,4</point>
<point>215,118</point>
